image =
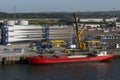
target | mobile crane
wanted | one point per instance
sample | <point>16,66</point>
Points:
<point>86,44</point>
<point>81,45</point>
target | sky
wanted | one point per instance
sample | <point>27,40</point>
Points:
<point>58,5</point>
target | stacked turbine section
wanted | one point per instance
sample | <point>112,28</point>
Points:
<point>15,33</point>
<point>24,33</point>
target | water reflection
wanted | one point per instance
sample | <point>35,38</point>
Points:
<point>73,71</point>
<point>85,71</point>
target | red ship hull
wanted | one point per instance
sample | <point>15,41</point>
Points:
<point>66,59</point>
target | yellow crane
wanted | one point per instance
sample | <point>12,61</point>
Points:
<point>84,45</point>
<point>81,45</point>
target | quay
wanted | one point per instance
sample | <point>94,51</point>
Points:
<point>117,54</point>
<point>12,59</point>
<point>9,56</point>
<point>19,58</point>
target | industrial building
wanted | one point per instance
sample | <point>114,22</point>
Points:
<point>98,20</point>
<point>91,20</point>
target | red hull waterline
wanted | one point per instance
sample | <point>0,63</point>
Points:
<point>66,59</point>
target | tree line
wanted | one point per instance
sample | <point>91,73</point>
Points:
<point>99,14</point>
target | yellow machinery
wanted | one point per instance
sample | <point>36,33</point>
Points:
<point>93,44</point>
<point>58,43</point>
<point>81,44</point>
<point>79,32</point>
<point>86,45</point>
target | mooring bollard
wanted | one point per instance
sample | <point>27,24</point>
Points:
<point>4,60</point>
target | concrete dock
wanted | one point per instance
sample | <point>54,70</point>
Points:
<point>8,54</point>
<point>19,58</point>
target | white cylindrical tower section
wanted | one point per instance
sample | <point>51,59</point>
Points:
<point>9,22</point>
<point>23,22</point>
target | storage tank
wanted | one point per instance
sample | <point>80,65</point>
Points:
<point>9,22</point>
<point>22,22</point>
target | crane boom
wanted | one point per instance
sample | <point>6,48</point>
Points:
<point>79,32</point>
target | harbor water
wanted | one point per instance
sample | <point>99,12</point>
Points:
<point>76,71</point>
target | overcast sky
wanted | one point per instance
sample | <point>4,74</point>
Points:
<point>58,5</point>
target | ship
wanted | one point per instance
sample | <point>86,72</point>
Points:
<point>62,58</point>
<point>65,58</point>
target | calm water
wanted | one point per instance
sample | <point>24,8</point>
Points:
<point>83,71</point>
